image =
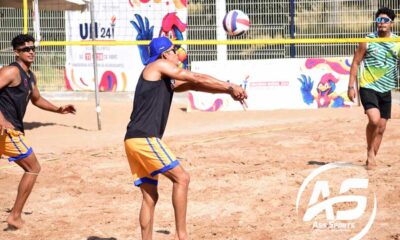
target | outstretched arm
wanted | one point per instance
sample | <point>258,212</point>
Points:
<point>358,57</point>
<point>187,80</point>
<point>42,103</point>
<point>203,86</point>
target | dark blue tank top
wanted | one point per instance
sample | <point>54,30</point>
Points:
<point>151,106</point>
<point>14,100</point>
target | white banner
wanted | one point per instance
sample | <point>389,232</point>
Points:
<point>277,84</point>
<point>119,66</point>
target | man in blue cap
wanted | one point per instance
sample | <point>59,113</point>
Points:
<point>147,154</point>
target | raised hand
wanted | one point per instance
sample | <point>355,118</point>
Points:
<point>145,32</point>
<point>67,109</point>
<point>306,87</point>
<point>238,93</point>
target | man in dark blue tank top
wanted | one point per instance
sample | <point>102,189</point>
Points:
<point>147,154</point>
<point>17,88</point>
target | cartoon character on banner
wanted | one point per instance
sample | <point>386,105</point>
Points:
<point>326,95</point>
<point>179,4</point>
<point>171,27</point>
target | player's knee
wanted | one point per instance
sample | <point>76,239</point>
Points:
<point>373,123</point>
<point>37,168</point>
<point>150,195</point>
<point>34,169</point>
<point>381,129</point>
<point>154,198</point>
<point>151,200</point>
<point>184,178</point>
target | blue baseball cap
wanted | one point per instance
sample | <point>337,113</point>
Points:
<point>157,47</point>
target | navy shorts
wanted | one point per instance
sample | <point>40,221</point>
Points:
<point>373,99</point>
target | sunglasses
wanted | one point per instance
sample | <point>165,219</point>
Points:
<point>174,50</point>
<point>27,49</point>
<point>383,20</point>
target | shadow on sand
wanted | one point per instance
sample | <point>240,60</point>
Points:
<point>32,125</point>
<point>316,163</point>
<point>100,238</point>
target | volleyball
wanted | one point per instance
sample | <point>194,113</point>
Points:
<point>236,23</point>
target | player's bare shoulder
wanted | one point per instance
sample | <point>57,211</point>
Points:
<point>152,71</point>
<point>162,63</point>
<point>156,69</point>
<point>7,70</point>
<point>9,75</point>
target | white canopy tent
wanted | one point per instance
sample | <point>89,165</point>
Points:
<point>48,5</point>
<point>51,5</point>
<point>56,5</point>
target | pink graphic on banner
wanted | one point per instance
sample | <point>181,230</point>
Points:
<point>217,104</point>
<point>335,66</point>
<point>67,82</point>
<point>109,82</point>
<point>179,4</point>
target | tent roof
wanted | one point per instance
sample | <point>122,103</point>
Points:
<point>53,5</point>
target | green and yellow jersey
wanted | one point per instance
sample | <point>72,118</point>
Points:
<point>378,70</point>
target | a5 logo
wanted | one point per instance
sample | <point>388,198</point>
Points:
<point>322,188</point>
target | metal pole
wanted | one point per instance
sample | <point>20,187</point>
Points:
<point>94,56</point>
<point>220,12</point>
<point>292,29</point>
<point>36,22</point>
<point>25,4</point>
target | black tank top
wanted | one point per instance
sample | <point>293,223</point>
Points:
<point>14,100</point>
<point>151,106</point>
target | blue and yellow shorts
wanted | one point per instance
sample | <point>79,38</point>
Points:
<point>14,145</point>
<point>147,158</point>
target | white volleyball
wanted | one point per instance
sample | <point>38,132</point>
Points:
<point>236,23</point>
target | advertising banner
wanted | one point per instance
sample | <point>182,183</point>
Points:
<point>277,84</point>
<point>119,20</point>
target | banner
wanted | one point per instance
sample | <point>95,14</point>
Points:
<point>119,67</point>
<point>277,84</point>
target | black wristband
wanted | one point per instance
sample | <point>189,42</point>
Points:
<point>230,89</point>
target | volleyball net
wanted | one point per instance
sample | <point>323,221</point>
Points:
<point>120,29</point>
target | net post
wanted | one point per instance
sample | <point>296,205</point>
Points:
<point>94,56</point>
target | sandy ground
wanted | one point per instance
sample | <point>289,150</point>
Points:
<point>246,170</point>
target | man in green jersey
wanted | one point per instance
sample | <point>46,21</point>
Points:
<point>376,65</point>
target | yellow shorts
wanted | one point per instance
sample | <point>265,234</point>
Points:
<point>147,158</point>
<point>14,145</point>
